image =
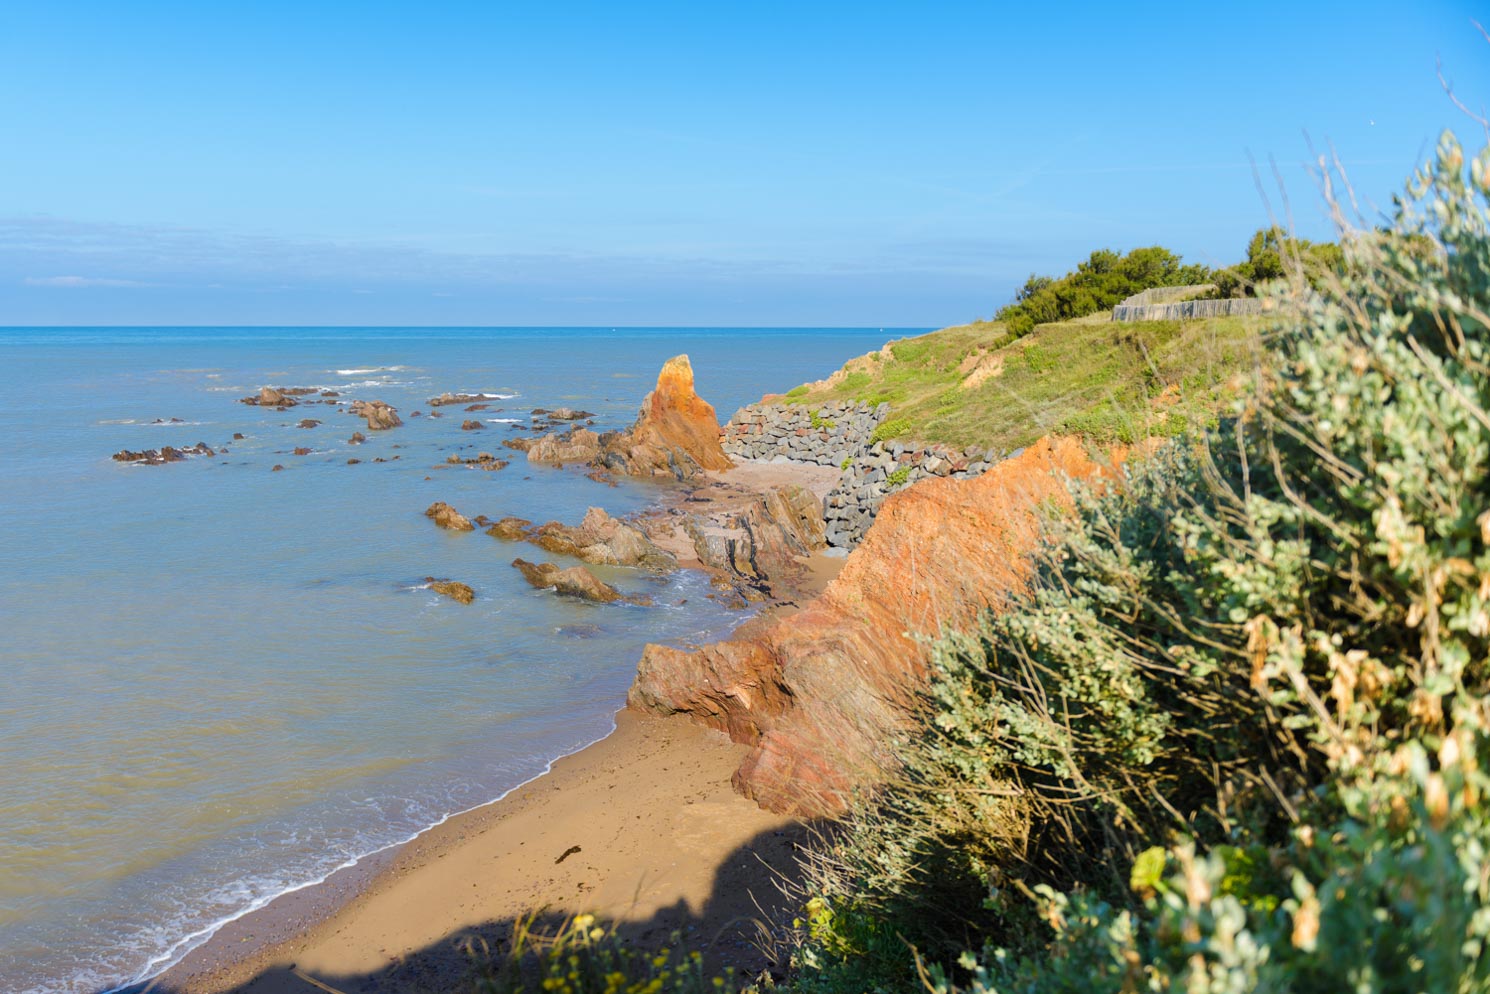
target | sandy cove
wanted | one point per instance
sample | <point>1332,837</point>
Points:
<point>664,843</point>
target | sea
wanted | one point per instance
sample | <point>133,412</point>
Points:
<point>219,682</point>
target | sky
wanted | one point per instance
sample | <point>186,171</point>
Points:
<point>762,164</point>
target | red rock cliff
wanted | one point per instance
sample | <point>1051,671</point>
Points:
<point>820,694</point>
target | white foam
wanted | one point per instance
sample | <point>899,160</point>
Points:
<point>371,369</point>
<point>504,421</point>
<point>177,951</point>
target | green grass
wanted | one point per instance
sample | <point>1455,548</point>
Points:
<point>1095,379</point>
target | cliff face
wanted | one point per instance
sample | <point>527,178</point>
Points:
<point>820,694</point>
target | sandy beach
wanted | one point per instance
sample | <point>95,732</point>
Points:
<point>642,828</point>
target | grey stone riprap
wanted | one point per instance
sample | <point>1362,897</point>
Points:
<point>839,434</point>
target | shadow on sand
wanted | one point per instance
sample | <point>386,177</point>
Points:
<point>740,928</point>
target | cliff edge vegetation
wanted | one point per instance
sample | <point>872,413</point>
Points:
<point>1234,735</point>
<point>978,384</point>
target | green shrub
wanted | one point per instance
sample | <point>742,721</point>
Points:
<point>798,391</point>
<point>897,477</point>
<point>847,462</point>
<point>1102,280</point>
<point>819,422</point>
<point>1236,735</point>
<point>581,957</point>
<point>889,428</point>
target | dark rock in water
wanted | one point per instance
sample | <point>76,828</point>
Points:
<point>436,414</point>
<point>483,461</point>
<point>301,451</point>
<point>511,529</point>
<point>477,407</point>
<point>448,517</point>
<point>601,476</point>
<point>520,444</point>
<point>162,455</point>
<point>353,462</point>
<point>417,414</point>
<point>471,426</point>
<point>308,423</point>
<point>357,438</point>
<point>576,581</point>
<point>271,397</point>
<point>238,436</point>
<point>381,459</point>
<point>453,589</point>
<point>380,416</point>
<point>447,399</point>
<point>277,468</point>
<point>171,421</point>
<point>329,393</point>
<point>538,411</point>
<point>578,631</point>
<point>568,414</point>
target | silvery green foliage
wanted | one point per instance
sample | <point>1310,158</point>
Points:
<point>1232,740</point>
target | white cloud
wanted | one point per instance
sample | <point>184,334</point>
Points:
<point>81,281</point>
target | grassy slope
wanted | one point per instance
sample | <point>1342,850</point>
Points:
<point>968,385</point>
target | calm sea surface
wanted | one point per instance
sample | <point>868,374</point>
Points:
<point>218,682</point>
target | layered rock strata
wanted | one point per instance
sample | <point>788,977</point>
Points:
<point>820,695</point>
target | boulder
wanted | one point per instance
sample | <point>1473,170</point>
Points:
<point>471,425</point>
<point>511,529</point>
<point>357,438</point>
<point>578,445</point>
<point>301,451</point>
<point>453,589</point>
<point>603,540</point>
<point>164,454</point>
<point>380,416</point>
<point>448,517</point>
<point>447,399</point>
<point>576,581</point>
<point>270,397</point>
<point>568,414</point>
<point>308,423</point>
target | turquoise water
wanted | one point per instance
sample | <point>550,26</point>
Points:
<point>222,682</point>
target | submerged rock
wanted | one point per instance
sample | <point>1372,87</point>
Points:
<point>453,589</point>
<point>575,581</point>
<point>164,454</point>
<point>308,423</point>
<point>511,529</point>
<point>447,399</point>
<point>448,517</point>
<point>357,438</point>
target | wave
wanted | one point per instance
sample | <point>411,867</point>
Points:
<point>504,421</point>
<point>371,369</point>
<point>178,950</point>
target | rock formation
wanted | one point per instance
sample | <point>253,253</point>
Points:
<point>676,434</point>
<point>453,589</point>
<point>576,581</point>
<point>603,540</point>
<point>820,694</point>
<point>270,397</point>
<point>511,529</point>
<point>162,455</point>
<point>380,416</point>
<point>448,517</point>
<point>471,424</point>
<point>447,399</point>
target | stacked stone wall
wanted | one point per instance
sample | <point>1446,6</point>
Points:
<point>823,434</point>
<point>841,434</point>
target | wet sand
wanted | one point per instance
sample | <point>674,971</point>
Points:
<point>656,840</point>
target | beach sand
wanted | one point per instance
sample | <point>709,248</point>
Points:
<point>663,845</point>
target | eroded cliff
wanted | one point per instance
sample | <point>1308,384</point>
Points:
<point>820,694</point>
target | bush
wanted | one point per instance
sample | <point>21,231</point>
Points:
<point>1235,736</point>
<point>888,429</point>
<point>1103,280</point>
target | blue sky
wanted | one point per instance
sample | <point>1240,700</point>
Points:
<point>673,164</point>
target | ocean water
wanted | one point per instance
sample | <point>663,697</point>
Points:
<point>219,682</point>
